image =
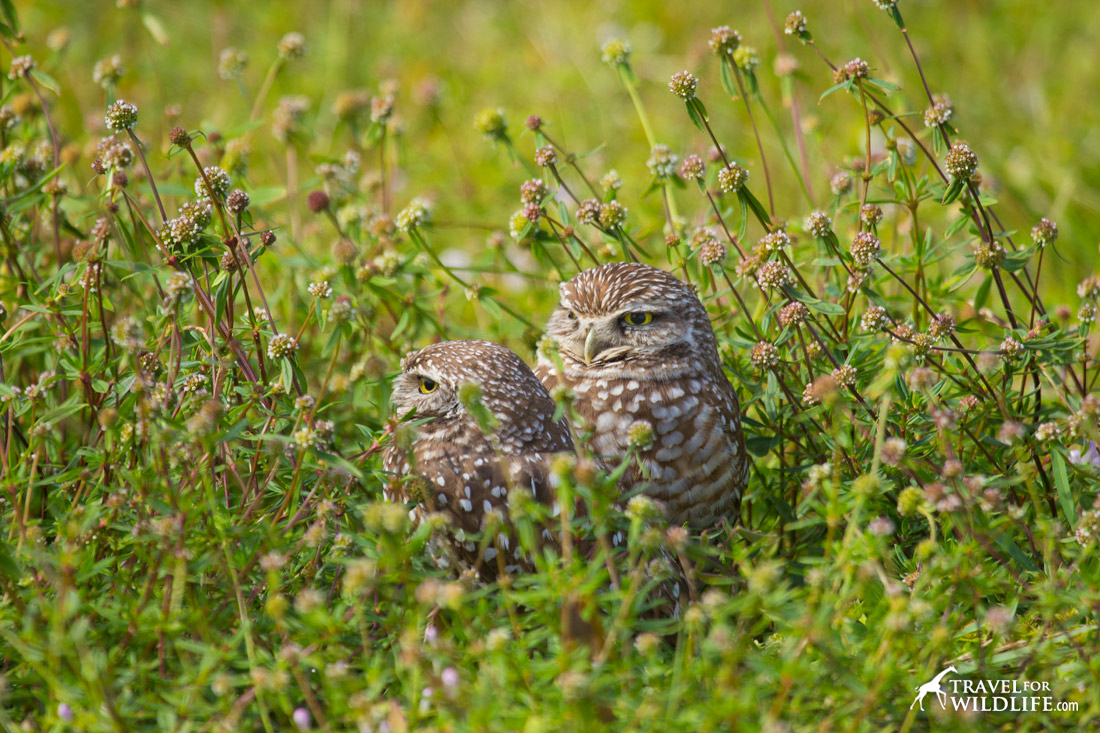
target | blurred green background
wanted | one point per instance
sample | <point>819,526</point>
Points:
<point>1021,75</point>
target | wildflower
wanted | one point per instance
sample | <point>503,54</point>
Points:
<point>646,643</point>
<point>491,123</point>
<point>692,168</point>
<point>939,113</point>
<point>518,224</point>
<point>943,324</point>
<point>219,182</point>
<point>874,319</point>
<point>381,107</point>
<point>449,677</point>
<point>177,287</point>
<point>845,375</point>
<point>320,289</point>
<point>841,183</point>
<point>533,191</point>
<point>1011,431</point>
<point>414,216</point>
<point>818,224</point>
<point>1086,313</point>
<point>776,241</point>
<point>640,434</point>
<point>732,178</point>
<point>793,313</point>
<point>497,638</point>
<point>127,333</point>
<point>785,65</point>
<point>21,66</point>
<point>989,255</point>
<point>281,346</point>
<point>712,252</point>
<point>1047,431</point>
<point>865,248</point>
<point>724,40</point>
<point>893,451</point>
<point>922,378</point>
<point>881,527</point>
<point>616,52</point>
<point>237,201</point>
<point>287,116</point>
<point>612,215</point>
<point>292,46</point>
<point>232,63</point>
<point>764,355</point>
<point>870,215</point>
<point>1089,287</point>
<point>746,59</point>
<point>317,201</point>
<point>546,156</point>
<point>961,162</point>
<point>589,211</point>
<point>795,24</point>
<point>774,275</point>
<point>683,84</point>
<point>662,161</point>
<point>611,181</point>
<point>642,508</point>
<point>121,116</point>
<point>1011,349</point>
<point>108,71</point>
<point>1045,232</point>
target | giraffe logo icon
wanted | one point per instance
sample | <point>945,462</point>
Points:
<point>933,685</point>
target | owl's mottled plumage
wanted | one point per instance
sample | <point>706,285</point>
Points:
<point>665,371</point>
<point>461,472</point>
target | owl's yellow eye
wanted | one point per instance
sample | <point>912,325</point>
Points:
<point>427,386</point>
<point>638,318</point>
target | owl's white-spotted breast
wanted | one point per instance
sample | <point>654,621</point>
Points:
<point>462,471</point>
<point>637,345</point>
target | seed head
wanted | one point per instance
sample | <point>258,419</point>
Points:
<point>818,224</point>
<point>317,201</point>
<point>961,162</point>
<point>764,355</point>
<point>881,527</point>
<point>724,40</point>
<point>612,215</point>
<point>292,46</point>
<point>533,122</point>
<point>237,201</point>
<point>616,52</point>
<point>491,123</point>
<point>692,168</point>
<point>865,248</point>
<point>921,378</point>
<point>320,289</point>
<point>232,63</point>
<point>893,451</point>
<point>886,4</point>
<point>611,181</point>
<point>683,84</point>
<point>940,112</point>
<point>1086,313</point>
<point>121,116</point>
<point>546,156</point>
<point>732,178</point>
<point>267,238</point>
<point>662,161</point>
<point>1089,287</point>
<point>532,212</point>
<point>943,324</point>
<point>845,375</point>
<point>1045,232</point>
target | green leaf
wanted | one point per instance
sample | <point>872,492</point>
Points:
<point>727,78</point>
<point>959,224</point>
<point>46,81</point>
<point>743,226</point>
<point>694,115</point>
<point>825,308</point>
<point>830,90</point>
<point>156,28</point>
<point>1061,483</point>
<point>953,192</point>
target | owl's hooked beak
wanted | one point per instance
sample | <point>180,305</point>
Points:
<point>591,344</point>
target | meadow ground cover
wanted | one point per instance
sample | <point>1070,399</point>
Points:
<point>222,227</point>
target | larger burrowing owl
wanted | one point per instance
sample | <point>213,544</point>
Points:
<point>637,345</point>
<point>462,470</point>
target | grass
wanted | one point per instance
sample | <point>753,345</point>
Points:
<point>195,392</point>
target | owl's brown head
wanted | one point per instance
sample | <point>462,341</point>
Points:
<point>432,380</point>
<point>626,316</point>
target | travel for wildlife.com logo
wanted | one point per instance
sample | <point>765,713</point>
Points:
<point>989,695</point>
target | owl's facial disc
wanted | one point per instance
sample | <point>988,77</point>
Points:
<point>637,329</point>
<point>425,391</point>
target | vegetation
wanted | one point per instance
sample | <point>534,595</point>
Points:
<point>215,255</point>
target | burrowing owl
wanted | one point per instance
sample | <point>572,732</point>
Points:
<point>637,345</point>
<point>463,471</point>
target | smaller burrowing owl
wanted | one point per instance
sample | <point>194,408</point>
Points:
<point>637,346</point>
<point>460,469</point>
